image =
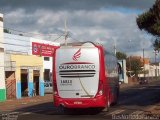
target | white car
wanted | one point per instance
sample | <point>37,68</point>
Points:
<point>48,87</point>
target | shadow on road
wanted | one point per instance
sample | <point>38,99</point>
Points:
<point>49,109</point>
<point>141,96</point>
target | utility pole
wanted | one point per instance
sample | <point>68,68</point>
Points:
<point>130,57</point>
<point>144,64</point>
<point>66,33</point>
<point>155,53</point>
<point>115,50</point>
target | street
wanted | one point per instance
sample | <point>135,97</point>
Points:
<point>133,101</point>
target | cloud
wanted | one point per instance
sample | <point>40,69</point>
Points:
<point>83,25</point>
<point>101,21</point>
<point>57,5</point>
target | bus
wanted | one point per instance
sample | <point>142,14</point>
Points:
<point>84,76</point>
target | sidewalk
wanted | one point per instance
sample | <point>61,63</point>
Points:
<point>155,110</point>
<point>13,104</point>
<point>126,85</point>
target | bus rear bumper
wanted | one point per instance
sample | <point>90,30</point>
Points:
<point>80,103</point>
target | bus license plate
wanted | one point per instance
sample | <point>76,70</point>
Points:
<point>78,102</point>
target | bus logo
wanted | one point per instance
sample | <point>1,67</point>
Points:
<point>35,48</point>
<point>77,55</point>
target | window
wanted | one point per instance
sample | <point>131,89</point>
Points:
<point>50,84</point>
<point>46,74</point>
<point>46,85</point>
<point>46,58</point>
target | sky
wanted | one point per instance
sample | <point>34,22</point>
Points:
<point>109,22</point>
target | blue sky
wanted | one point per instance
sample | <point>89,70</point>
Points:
<point>124,10</point>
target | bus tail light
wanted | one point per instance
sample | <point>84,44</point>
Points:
<point>100,88</point>
<point>55,89</point>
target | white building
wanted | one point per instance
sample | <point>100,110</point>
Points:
<point>153,70</point>
<point>2,75</point>
<point>17,44</point>
<point>47,59</point>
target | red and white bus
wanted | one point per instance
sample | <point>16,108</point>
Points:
<point>84,76</point>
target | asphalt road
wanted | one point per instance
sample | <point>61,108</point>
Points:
<point>133,103</point>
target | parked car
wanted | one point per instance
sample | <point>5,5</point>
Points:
<point>48,87</point>
<point>143,81</point>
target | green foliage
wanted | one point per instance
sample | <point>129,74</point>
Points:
<point>144,72</point>
<point>134,65</point>
<point>6,31</point>
<point>121,56</point>
<point>156,44</point>
<point>150,20</point>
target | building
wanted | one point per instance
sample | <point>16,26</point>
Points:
<point>23,75</point>
<point>28,63</point>
<point>151,69</point>
<point>123,73</point>
<point>47,48</point>
<point>2,75</point>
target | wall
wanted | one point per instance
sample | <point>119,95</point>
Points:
<point>46,64</point>
<point>17,44</point>
<point>123,76</point>
<point>23,45</point>
<point>30,63</point>
<point>151,70</point>
<point>2,75</point>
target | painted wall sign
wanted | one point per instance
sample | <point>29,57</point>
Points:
<point>42,49</point>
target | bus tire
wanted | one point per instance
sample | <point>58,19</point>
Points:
<point>106,109</point>
<point>116,98</point>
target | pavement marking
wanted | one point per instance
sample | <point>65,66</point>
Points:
<point>142,88</point>
<point>26,113</point>
<point>37,111</point>
<point>116,112</point>
<point>31,112</point>
<point>137,113</point>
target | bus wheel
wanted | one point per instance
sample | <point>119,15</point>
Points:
<point>61,109</point>
<point>106,109</point>
<point>115,102</point>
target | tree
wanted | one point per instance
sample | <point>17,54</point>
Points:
<point>121,56</point>
<point>6,31</point>
<point>134,65</point>
<point>156,44</point>
<point>150,20</point>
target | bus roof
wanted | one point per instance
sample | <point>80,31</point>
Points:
<point>82,44</point>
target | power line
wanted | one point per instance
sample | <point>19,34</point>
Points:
<point>16,39</point>
<point>15,44</point>
<point>16,51</point>
<point>28,47</point>
<point>73,38</point>
<point>57,38</point>
<point>24,41</point>
<point>31,41</point>
<point>38,65</point>
<point>20,31</point>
